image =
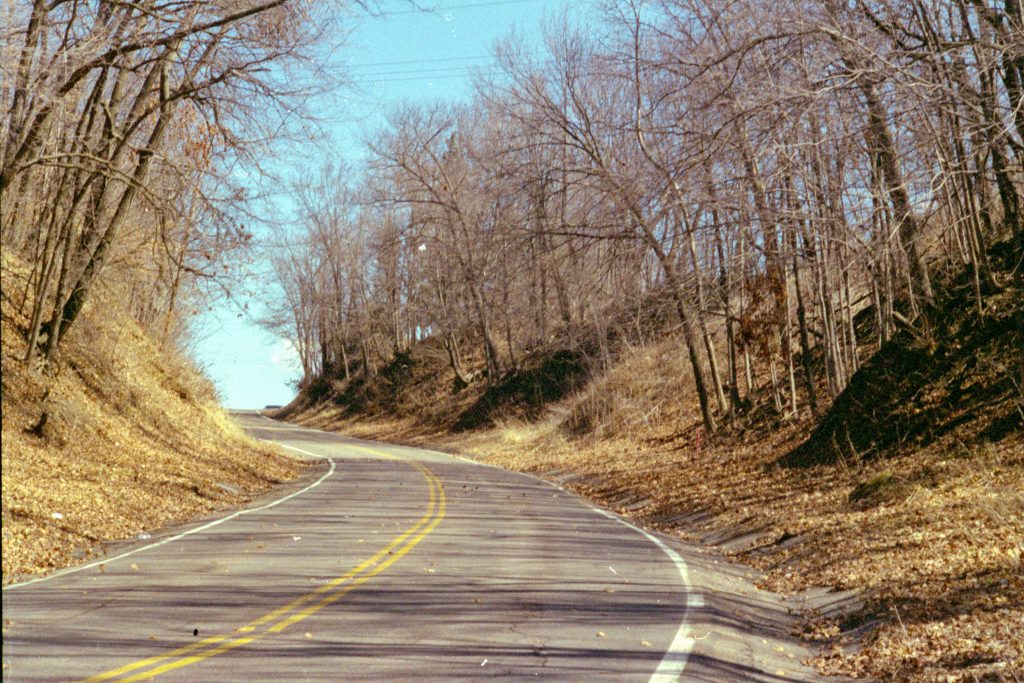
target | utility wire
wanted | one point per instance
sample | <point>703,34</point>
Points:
<point>418,61</point>
<point>428,78</point>
<point>465,70</point>
<point>445,8</point>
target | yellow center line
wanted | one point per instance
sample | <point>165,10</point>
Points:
<point>185,661</point>
<point>335,589</point>
<point>114,673</point>
<point>270,616</point>
<point>398,554</point>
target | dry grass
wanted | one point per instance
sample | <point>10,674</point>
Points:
<point>933,539</point>
<point>636,394</point>
<point>133,440</point>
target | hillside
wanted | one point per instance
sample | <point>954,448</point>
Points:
<point>906,492</point>
<point>117,438</point>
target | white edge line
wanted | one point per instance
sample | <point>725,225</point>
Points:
<point>673,663</point>
<point>238,513</point>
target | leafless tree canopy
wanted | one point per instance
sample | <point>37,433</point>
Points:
<point>760,173</point>
<point>120,123</point>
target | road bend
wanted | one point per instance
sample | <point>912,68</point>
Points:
<point>382,563</point>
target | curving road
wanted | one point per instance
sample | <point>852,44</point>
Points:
<point>387,563</point>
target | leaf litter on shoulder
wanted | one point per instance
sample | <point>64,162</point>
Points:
<point>932,539</point>
<point>131,440</point>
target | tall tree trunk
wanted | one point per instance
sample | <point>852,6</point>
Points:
<point>494,365</point>
<point>880,141</point>
<point>806,361</point>
<point>709,345</point>
<point>682,309</point>
<point>725,282</point>
<point>97,259</point>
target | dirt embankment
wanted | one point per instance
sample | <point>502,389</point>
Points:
<point>117,438</point>
<point>908,492</point>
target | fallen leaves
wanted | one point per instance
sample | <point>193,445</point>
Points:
<point>938,563</point>
<point>136,456</point>
<point>948,556</point>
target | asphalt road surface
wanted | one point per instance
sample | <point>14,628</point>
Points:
<point>386,563</point>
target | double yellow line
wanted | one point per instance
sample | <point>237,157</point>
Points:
<point>300,608</point>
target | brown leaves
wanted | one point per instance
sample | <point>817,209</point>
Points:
<point>946,555</point>
<point>140,451</point>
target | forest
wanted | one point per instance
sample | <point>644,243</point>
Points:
<point>123,124</point>
<point>750,273</point>
<point>759,174</point>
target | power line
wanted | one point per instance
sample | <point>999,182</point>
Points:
<point>418,61</point>
<point>493,3</point>
<point>437,69</point>
<point>441,77</point>
<point>466,69</point>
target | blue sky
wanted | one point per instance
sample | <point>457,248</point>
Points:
<point>404,54</point>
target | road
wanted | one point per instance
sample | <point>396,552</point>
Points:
<point>387,563</point>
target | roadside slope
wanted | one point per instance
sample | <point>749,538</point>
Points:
<point>916,513</point>
<point>118,437</point>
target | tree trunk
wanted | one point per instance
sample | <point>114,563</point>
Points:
<point>97,259</point>
<point>909,231</point>
<point>494,366</point>
<point>675,288</point>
